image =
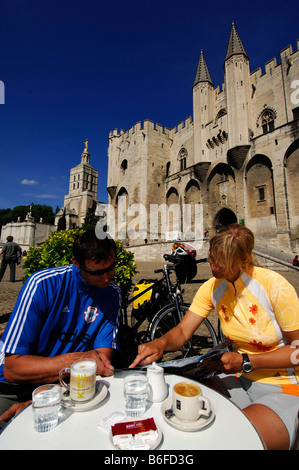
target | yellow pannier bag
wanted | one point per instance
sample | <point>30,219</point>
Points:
<point>143,298</point>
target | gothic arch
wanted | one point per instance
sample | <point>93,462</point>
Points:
<point>266,119</point>
<point>172,193</point>
<point>192,186</point>
<point>174,212</point>
<point>260,187</point>
<point>122,192</point>
<point>291,167</point>
<point>191,209</point>
<point>221,186</point>
<point>259,159</point>
<point>221,112</point>
<point>182,157</point>
<point>224,217</point>
<point>221,169</point>
<point>121,211</point>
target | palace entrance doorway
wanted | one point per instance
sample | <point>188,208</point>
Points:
<point>223,218</point>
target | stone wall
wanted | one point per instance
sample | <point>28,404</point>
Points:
<point>27,233</point>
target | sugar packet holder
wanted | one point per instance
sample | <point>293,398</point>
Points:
<point>134,435</point>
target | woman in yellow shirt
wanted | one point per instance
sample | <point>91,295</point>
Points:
<point>259,313</point>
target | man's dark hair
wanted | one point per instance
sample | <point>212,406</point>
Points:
<point>88,246</point>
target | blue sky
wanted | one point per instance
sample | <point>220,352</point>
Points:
<point>77,69</point>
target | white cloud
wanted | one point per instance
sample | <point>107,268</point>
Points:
<point>29,182</point>
<point>46,196</point>
<point>41,196</point>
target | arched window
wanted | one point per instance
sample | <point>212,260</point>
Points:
<point>124,165</point>
<point>266,120</point>
<point>183,159</point>
<point>221,112</point>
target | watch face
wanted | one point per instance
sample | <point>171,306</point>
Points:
<point>247,367</point>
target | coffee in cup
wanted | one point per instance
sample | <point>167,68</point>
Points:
<point>82,379</point>
<point>188,402</point>
<point>187,389</point>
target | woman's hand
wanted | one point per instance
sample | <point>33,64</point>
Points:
<point>229,363</point>
<point>173,340</point>
<point>148,353</point>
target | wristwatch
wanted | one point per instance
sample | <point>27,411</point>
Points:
<point>246,364</point>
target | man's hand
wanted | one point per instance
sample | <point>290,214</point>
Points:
<point>148,353</point>
<point>101,356</point>
<point>39,370</point>
<point>13,410</point>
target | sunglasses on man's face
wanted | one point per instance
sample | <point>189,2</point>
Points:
<point>99,272</point>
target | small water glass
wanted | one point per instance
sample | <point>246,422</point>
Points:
<point>45,405</point>
<point>136,392</point>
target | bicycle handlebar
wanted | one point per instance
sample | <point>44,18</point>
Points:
<point>173,259</point>
<point>202,260</point>
<point>170,258</point>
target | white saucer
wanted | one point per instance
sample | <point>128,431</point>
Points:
<point>177,423</point>
<point>152,444</point>
<point>101,392</point>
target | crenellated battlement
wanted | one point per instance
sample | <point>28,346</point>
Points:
<point>286,55</point>
<point>148,127</point>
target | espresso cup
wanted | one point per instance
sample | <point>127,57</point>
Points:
<point>188,402</point>
<point>82,384</point>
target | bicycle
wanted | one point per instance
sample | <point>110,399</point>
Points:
<point>164,310</point>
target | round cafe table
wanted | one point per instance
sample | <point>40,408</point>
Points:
<point>230,429</point>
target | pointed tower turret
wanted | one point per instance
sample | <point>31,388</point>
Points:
<point>203,96</point>
<point>202,73</point>
<point>237,86</point>
<point>235,45</point>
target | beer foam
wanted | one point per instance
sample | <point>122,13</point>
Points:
<point>86,367</point>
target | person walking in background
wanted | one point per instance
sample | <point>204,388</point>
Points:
<point>11,252</point>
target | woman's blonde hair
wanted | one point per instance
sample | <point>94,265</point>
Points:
<point>231,248</point>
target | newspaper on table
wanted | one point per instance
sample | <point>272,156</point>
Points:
<point>196,367</point>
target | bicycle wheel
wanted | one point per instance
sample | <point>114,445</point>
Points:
<point>203,339</point>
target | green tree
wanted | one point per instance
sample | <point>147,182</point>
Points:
<point>39,211</point>
<point>44,212</point>
<point>91,219</point>
<point>4,216</point>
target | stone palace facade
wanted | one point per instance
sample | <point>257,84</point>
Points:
<point>237,159</point>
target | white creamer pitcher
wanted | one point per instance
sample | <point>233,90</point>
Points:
<point>157,385</point>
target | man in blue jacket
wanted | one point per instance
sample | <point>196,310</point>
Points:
<point>62,314</point>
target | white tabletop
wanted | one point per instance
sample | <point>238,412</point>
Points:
<point>230,429</point>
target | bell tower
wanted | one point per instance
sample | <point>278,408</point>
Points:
<point>83,189</point>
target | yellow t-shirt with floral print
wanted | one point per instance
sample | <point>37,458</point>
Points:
<point>254,312</point>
